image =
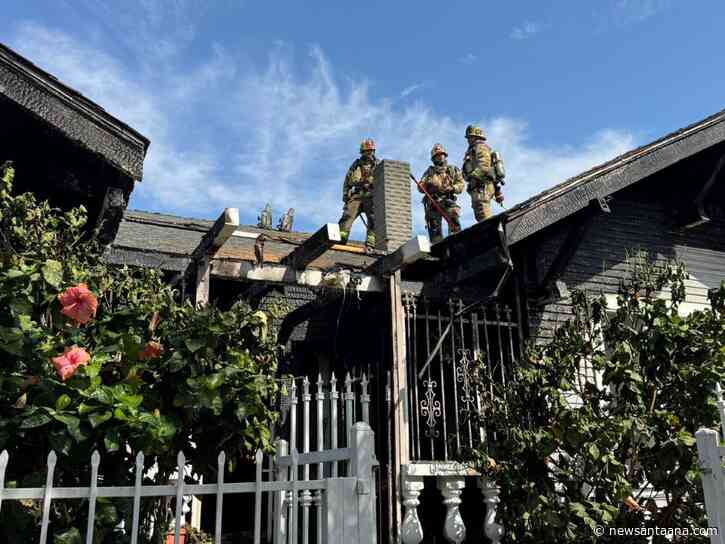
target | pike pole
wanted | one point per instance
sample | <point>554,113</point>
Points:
<point>432,201</point>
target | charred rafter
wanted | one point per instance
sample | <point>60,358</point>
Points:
<point>552,287</point>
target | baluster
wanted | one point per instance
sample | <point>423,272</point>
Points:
<point>306,494</point>
<point>47,497</point>
<point>365,398</point>
<point>281,502</point>
<point>454,375</point>
<point>444,407</point>
<point>349,397</point>
<point>295,498</point>
<point>453,529</point>
<point>293,418</point>
<point>93,493</point>
<point>320,397</point>
<point>258,460</point>
<point>4,458</point>
<point>220,463</point>
<point>477,361</point>
<point>181,462</point>
<point>492,530</point>
<point>416,402</point>
<point>411,531</point>
<point>334,396</point>
<point>721,407</point>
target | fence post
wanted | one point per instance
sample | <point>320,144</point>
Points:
<point>280,503</point>
<point>712,479</point>
<point>363,458</point>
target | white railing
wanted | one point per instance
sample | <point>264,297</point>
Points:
<point>345,507</point>
<point>711,456</point>
<point>450,479</point>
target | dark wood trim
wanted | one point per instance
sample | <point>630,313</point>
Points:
<point>551,286</point>
<point>312,248</point>
<point>695,213</point>
<point>613,177</point>
<point>415,249</point>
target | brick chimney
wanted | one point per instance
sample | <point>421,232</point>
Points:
<point>393,210</point>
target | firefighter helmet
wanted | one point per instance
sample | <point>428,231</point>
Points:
<point>367,145</point>
<point>437,150</point>
<point>472,131</point>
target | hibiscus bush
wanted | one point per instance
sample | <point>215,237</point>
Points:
<point>95,357</point>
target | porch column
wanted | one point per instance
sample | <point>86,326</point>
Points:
<point>399,393</point>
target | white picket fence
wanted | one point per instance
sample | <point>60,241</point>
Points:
<point>345,507</point>
<point>711,456</point>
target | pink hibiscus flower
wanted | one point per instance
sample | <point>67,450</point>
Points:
<point>67,364</point>
<point>79,303</point>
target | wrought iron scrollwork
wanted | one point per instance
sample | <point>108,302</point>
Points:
<point>430,408</point>
<point>463,376</point>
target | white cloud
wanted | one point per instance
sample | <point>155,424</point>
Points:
<point>634,11</point>
<point>526,30</point>
<point>285,133</point>
<point>411,89</point>
<point>468,59</point>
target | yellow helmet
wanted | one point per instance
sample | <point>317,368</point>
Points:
<point>472,131</point>
<point>367,145</point>
<point>438,149</point>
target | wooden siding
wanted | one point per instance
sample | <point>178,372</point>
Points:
<point>599,264</point>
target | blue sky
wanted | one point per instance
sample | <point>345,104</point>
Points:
<point>254,102</point>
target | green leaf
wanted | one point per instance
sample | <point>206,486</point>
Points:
<point>71,536</point>
<point>84,408</point>
<point>685,438</point>
<point>62,402</point>
<point>26,323</point>
<point>97,419</point>
<point>594,451</point>
<point>194,344</point>
<point>112,440</point>
<point>38,419</point>
<point>14,273</point>
<point>52,272</point>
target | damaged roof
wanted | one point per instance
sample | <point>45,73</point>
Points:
<point>167,241</point>
<point>68,111</point>
<point>574,194</point>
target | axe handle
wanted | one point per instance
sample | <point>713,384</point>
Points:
<point>432,201</point>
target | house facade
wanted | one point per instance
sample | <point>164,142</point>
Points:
<point>408,320</point>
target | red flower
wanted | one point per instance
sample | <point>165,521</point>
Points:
<point>67,364</point>
<point>79,303</point>
<point>152,350</point>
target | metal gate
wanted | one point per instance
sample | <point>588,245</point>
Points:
<point>448,343</point>
<point>344,507</point>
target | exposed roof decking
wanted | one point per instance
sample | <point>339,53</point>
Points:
<point>176,237</point>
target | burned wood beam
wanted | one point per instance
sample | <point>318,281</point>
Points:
<point>215,237</point>
<point>218,234</point>
<point>695,214</point>
<point>275,273</point>
<point>480,261</point>
<point>313,247</point>
<point>414,249</point>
